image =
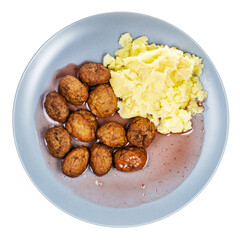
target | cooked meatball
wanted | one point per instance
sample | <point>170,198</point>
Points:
<point>73,90</point>
<point>89,117</point>
<point>94,74</point>
<point>112,134</point>
<point>102,101</point>
<point>141,132</point>
<point>101,159</point>
<point>56,107</point>
<point>75,163</point>
<point>58,141</point>
<point>130,159</point>
<point>82,125</point>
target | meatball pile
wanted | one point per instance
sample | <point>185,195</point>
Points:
<point>112,144</point>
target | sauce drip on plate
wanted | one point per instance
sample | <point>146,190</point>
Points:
<point>171,158</point>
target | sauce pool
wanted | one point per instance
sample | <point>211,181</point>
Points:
<point>171,158</point>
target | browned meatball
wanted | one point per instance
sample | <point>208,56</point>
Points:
<point>82,125</point>
<point>73,90</point>
<point>101,159</point>
<point>102,101</point>
<point>75,163</point>
<point>141,132</point>
<point>56,107</point>
<point>130,159</point>
<point>94,74</point>
<point>112,134</point>
<point>89,117</point>
<point>58,141</point>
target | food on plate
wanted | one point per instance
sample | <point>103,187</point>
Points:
<point>56,107</point>
<point>101,159</point>
<point>102,101</point>
<point>141,132</point>
<point>130,159</point>
<point>58,141</point>
<point>155,86</point>
<point>157,82</point>
<point>73,90</point>
<point>94,74</point>
<point>75,163</point>
<point>112,134</point>
<point>111,153</point>
<point>82,125</point>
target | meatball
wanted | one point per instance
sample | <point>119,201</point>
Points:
<point>73,90</point>
<point>112,134</point>
<point>130,159</point>
<point>82,125</point>
<point>101,159</point>
<point>56,107</point>
<point>102,101</point>
<point>75,163</point>
<point>89,117</point>
<point>58,141</point>
<point>141,132</point>
<point>94,74</point>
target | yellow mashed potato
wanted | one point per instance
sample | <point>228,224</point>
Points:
<point>156,82</point>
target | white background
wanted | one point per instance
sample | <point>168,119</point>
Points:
<point>25,213</point>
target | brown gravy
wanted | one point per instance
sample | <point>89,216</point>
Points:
<point>171,158</point>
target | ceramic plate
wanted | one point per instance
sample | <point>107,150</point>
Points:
<point>89,39</point>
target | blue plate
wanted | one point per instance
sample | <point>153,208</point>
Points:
<point>90,39</point>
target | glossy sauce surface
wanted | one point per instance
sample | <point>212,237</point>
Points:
<point>171,158</point>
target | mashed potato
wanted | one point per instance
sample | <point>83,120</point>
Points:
<point>156,82</point>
